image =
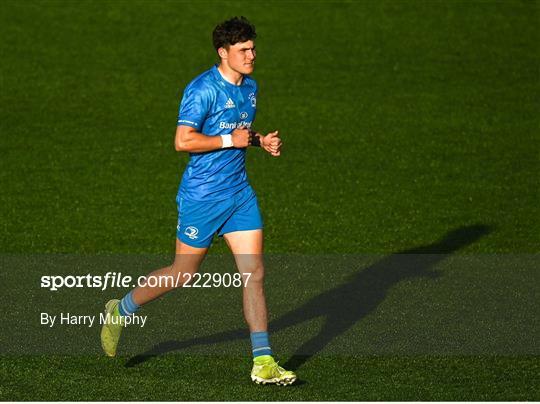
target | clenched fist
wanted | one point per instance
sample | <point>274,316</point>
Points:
<point>241,137</point>
<point>272,143</point>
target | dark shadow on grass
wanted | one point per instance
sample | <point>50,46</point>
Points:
<point>346,304</point>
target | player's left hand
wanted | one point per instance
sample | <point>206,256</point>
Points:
<point>272,143</point>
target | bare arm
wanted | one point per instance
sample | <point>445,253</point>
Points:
<point>189,140</point>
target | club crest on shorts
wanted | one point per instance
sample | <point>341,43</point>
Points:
<point>192,232</point>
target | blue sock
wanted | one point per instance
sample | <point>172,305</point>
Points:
<point>260,345</point>
<point>127,306</point>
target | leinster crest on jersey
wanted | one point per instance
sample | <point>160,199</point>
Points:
<point>253,100</point>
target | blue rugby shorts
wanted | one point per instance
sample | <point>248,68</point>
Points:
<point>198,221</point>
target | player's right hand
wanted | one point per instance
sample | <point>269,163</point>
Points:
<point>241,137</point>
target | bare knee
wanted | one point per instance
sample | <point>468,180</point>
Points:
<point>256,272</point>
<point>182,270</point>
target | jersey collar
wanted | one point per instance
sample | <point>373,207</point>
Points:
<point>221,79</point>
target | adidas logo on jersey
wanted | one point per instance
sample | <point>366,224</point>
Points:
<point>229,104</point>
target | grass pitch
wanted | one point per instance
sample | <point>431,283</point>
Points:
<point>402,122</point>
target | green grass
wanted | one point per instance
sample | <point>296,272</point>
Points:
<point>343,378</point>
<point>402,121</point>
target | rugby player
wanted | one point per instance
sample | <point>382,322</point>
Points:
<point>215,126</point>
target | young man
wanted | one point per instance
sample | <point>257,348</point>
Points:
<point>214,126</point>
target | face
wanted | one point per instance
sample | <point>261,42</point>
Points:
<point>240,57</point>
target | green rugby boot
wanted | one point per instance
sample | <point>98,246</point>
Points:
<point>267,371</point>
<point>112,327</point>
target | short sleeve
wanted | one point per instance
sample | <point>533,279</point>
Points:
<point>194,107</point>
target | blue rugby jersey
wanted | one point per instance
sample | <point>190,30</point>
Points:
<point>216,107</point>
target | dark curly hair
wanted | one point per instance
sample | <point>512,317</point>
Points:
<point>237,29</point>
